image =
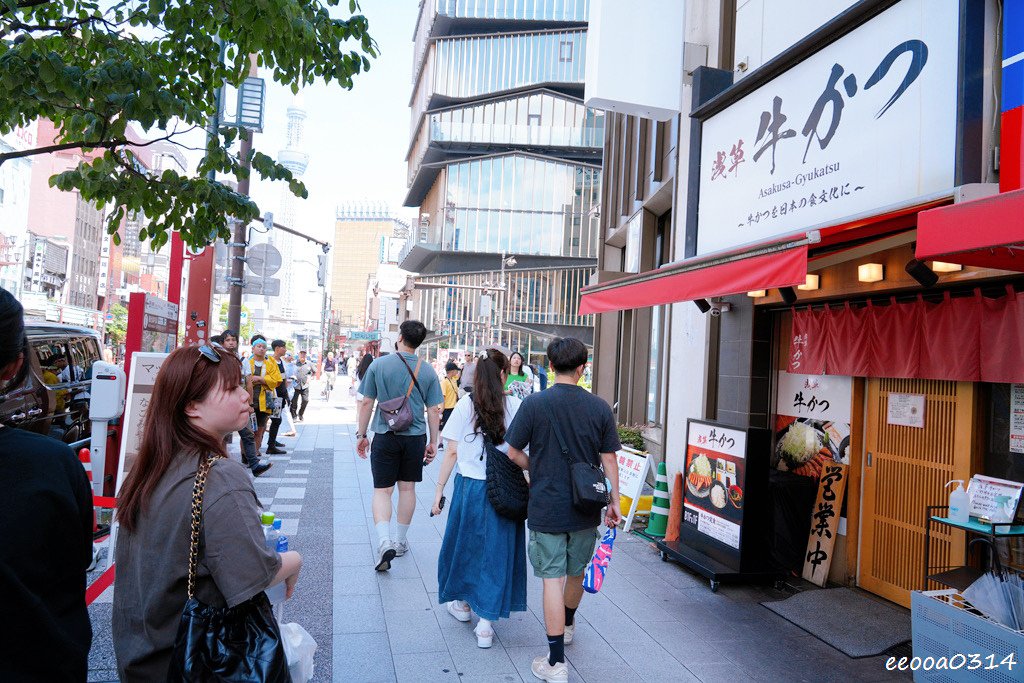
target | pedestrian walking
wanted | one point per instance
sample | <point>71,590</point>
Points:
<point>280,399</point>
<point>198,399</point>
<point>351,367</point>
<point>467,375</point>
<point>450,391</point>
<point>564,424</point>
<point>330,374</point>
<point>402,384</point>
<point>264,378</point>
<point>520,379</point>
<point>47,546</point>
<point>482,565</point>
<point>303,372</point>
<point>287,422</point>
<point>251,459</point>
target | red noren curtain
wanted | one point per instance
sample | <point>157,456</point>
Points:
<point>968,339</point>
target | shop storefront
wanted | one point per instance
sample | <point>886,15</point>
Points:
<point>867,296</point>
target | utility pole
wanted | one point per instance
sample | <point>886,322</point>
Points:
<point>241,229</point>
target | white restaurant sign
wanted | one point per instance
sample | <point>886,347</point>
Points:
<point>866,123</point>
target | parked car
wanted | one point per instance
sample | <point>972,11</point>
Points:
<point>54,398</point>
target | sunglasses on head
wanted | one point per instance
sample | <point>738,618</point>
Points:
<point>210,353</point>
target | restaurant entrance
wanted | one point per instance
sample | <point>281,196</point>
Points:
<point>905,470</point>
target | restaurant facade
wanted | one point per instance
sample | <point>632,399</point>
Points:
<point>834,273</point>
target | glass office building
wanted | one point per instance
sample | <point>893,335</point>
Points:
<point>504,160</point>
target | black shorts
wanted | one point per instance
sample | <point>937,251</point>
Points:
<point>395,458</point>
<point>445,414</point>
<point>261,419</point>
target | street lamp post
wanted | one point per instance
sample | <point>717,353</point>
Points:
<point>510,262</point>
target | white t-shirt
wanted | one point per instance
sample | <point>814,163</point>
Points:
<point>461,428</point>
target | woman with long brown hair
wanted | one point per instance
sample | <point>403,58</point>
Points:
<point>198,399</point>
<point>482,565</point>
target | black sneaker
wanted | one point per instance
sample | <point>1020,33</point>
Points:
<point>278,444</point>
<point>274,450</point>
<point>385,553</point>
<point>261,468</point>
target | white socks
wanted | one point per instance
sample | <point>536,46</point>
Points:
<point>383,533</point>
<point>402,533</point>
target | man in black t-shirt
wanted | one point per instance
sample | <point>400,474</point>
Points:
<point>562,538</point>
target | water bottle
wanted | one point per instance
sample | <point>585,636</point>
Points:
<point>273,535</point>
<point>267,521</point>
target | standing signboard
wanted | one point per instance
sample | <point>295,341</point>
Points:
<point>632,467</point>
<point>724,530</point>
<point>141,378</point>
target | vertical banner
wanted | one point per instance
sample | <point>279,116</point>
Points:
<point>825,523</point>
<point>141,378</point>
<point>714,480</point>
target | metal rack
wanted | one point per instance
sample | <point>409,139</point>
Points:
<point>959,577</point>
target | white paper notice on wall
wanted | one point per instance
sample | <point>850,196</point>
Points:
<point>1017,418</point>
<point>906,410</point>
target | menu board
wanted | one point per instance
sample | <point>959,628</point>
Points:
<point>715,478</point>
<point>1017,418</point>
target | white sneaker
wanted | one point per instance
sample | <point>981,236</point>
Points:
<point>385,553</point>
<point>556,673</point>
<point>401,548</point>
<point>569,631</point>
<point>459,610</point>
<point>484,634</point>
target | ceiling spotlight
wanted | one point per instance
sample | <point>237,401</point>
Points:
<point>871,272</point>
<point>924,275</point>
<point>943,267</point>
<point>812,283</point>
<point>757,294</point>
<point>788,295</point>
<point>702,304</point>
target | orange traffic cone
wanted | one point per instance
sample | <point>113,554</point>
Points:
<point>675,509</point>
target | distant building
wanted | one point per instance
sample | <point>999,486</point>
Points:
<point>15,181</point>
<point>504,160</point>
<point>356,254</point>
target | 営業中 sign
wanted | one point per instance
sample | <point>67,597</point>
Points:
<point>825,523</point>
<point>865,124</point>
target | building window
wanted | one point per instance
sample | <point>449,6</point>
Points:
<point>656,360</point>
<point>565,50</point>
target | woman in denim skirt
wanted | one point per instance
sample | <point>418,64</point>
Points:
<point>482,565</point>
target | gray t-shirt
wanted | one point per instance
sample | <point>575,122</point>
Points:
<point>588,427</point>
<point>152,562</point>
<point>387,378</point>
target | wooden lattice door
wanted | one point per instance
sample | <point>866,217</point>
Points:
<point>905,470</point>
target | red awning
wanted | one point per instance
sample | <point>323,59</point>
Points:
<point>988,233</point>
<point>700,278</point>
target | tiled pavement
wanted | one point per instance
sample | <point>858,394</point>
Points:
<point>652,621</point>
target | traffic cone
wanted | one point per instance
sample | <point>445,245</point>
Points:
<point>659,508</point>
<point>675,510</point>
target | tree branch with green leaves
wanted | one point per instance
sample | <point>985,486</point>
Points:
<point>99,69</point>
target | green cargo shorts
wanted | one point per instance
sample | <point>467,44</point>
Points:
<point>563,554</point>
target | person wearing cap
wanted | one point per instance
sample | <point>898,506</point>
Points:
<point>264,377</point>
<point>275,447</point>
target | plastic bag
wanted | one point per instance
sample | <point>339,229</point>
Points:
<point>299,648</point>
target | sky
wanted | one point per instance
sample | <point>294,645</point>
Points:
<point>356,139</point>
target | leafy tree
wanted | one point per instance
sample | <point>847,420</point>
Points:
<point>248,327</point>
<point>117,329</point>
<point>95,66</point>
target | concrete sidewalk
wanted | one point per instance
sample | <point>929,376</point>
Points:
<point>652,620</point>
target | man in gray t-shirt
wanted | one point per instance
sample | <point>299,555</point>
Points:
<point>399,457</point>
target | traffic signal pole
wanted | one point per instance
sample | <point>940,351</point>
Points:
<point>240,238</point>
